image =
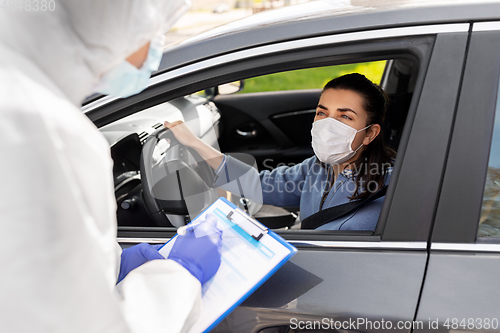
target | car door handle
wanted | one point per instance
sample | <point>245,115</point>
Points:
<point>247,134</point>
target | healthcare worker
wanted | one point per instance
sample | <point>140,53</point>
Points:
<point>59,259</point>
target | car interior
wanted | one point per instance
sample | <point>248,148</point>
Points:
<point>270,128</point>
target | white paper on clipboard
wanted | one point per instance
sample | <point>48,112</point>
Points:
<point>245,263</point>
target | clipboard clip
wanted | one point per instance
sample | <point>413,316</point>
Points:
<point>245,222</point>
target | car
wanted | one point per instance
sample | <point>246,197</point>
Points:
<point>433,261</point>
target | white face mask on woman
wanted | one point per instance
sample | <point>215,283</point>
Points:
<point>332,140</point>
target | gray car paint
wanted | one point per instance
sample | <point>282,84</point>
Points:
<point>327,22</point>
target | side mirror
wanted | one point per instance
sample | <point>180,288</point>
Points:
<point>231,88</point>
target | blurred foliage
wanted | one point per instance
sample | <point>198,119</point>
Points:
<point>489,224</point>
<point>312,78</point>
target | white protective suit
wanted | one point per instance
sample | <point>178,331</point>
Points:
<point>58,253</point>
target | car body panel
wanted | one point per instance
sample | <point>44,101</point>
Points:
<point>392,12</point>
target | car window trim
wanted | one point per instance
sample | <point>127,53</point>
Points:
<point>419,246</point>
<point>138,240</point>
<point>293,45</point>
<point>486,26</point>
<point>361,245</point>
<point>462,247</point>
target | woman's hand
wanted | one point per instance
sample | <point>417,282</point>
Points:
<point>187,138</point>
<point>182,133</point>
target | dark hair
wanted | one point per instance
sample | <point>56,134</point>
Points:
<point>376,154</point>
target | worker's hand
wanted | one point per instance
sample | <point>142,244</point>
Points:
<point>137,255</point>
<point>182,133</point>
<point>199,250</point>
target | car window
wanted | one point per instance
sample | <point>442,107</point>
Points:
<point>489,222</point>
<point>287,100</point>
<point>312,78</point>
<point>273,129</point>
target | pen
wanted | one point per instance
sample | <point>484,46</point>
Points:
<point>185,228</point>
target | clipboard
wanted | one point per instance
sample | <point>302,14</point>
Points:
<point>251,253</point>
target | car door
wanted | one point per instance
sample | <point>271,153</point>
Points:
<point>461,290</point>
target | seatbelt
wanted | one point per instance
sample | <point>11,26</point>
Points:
<point>325,216</point>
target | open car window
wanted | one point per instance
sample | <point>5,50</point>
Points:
<point>269,130</point>
<point>274,126</point>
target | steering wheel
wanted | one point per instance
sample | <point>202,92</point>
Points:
<point>176,181</point>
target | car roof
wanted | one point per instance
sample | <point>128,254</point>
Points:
<point>318,18</point>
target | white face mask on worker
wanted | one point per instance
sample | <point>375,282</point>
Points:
<point>332,140</point>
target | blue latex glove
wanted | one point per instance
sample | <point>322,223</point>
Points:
<point>137,255</point>
<point>199,250</point>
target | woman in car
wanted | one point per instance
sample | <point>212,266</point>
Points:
<point>351,161</point>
